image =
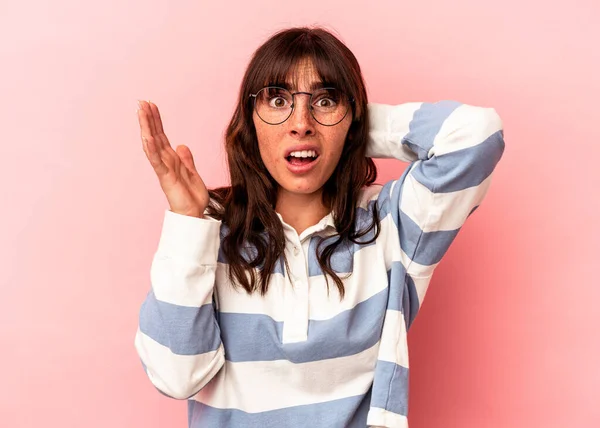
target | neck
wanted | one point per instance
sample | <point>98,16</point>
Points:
<point>300,210</point>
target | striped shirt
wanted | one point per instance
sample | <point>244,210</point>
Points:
<point>299,356</point>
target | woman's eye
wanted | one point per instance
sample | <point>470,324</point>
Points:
<point>278,102</point>
<point>325,102</point>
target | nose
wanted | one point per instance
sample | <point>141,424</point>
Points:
<point>301,122</point>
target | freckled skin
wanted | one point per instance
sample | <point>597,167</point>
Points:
<point>300,128</point>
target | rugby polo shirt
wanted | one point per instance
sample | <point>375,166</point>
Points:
<point>299,356</point>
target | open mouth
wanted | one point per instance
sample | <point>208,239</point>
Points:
<point>303,157</point>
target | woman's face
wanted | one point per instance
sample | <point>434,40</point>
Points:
<point>301,132</point>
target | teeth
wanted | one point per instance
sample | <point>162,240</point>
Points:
<point>304,154</point>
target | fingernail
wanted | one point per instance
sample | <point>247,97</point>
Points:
<point>139,105</point>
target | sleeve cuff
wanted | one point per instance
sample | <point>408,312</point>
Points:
<point>190,238</point>
<point>388,126</point>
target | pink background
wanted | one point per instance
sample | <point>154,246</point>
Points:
<point>509,333</point>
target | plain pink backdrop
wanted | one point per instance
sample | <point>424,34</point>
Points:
<point>508,336</point>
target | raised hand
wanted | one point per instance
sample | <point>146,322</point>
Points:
<point>177,175</point>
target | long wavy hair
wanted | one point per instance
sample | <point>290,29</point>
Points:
<point>254,242</point>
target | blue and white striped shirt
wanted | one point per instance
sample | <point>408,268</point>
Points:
<point>299,356</point>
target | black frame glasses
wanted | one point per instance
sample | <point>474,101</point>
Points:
<point>311,108</point>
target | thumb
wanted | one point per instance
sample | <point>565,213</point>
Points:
<point>186,157</point>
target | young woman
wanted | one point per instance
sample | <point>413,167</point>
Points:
<point>284,299</point>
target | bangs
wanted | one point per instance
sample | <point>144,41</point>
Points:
<point>283,65</point>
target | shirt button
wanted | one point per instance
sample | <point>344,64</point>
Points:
<point>296,250</point>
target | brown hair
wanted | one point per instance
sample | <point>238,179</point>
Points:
<point>255,237</point>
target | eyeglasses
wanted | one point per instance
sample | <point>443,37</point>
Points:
<point>274,105</point>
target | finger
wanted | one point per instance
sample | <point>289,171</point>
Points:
<point>158,126</point>
<point>145,129</point>
<point>146,126</point>
<point>148,113</point>
<point>154,157</point>
<point>156,117</point>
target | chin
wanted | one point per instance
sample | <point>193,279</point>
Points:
<point>302,189</point>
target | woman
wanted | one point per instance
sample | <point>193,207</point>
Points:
<point>284,299</point>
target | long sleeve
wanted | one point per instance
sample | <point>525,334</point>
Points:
<point>178,339</point>
<point>453,149</point>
